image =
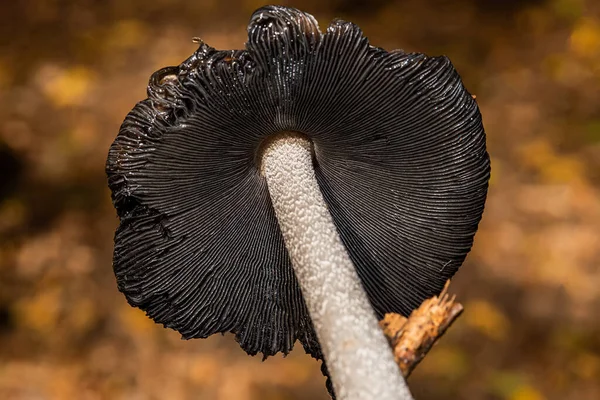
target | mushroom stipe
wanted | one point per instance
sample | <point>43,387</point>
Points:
<point>399,155</point>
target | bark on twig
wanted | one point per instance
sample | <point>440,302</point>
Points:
<point>411,338</point>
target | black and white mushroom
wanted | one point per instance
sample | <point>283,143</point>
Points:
<point>298,190</point>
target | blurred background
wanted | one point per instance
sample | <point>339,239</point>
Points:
<point>71,70</point>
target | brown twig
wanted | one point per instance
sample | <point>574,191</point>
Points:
<point>411,338</point>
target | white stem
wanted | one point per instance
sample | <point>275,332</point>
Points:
<point>358,356</point>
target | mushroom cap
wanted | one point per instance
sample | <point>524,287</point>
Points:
<point>399,154</point>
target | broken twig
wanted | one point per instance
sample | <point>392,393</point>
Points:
<point>411,338</point>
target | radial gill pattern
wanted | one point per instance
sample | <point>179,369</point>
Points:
<point>400,158</point>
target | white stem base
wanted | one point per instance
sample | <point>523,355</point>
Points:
<point>357,353</point>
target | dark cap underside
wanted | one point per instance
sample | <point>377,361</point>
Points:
<point>400,158</point>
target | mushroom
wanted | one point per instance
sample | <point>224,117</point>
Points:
<point>298,190</point>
